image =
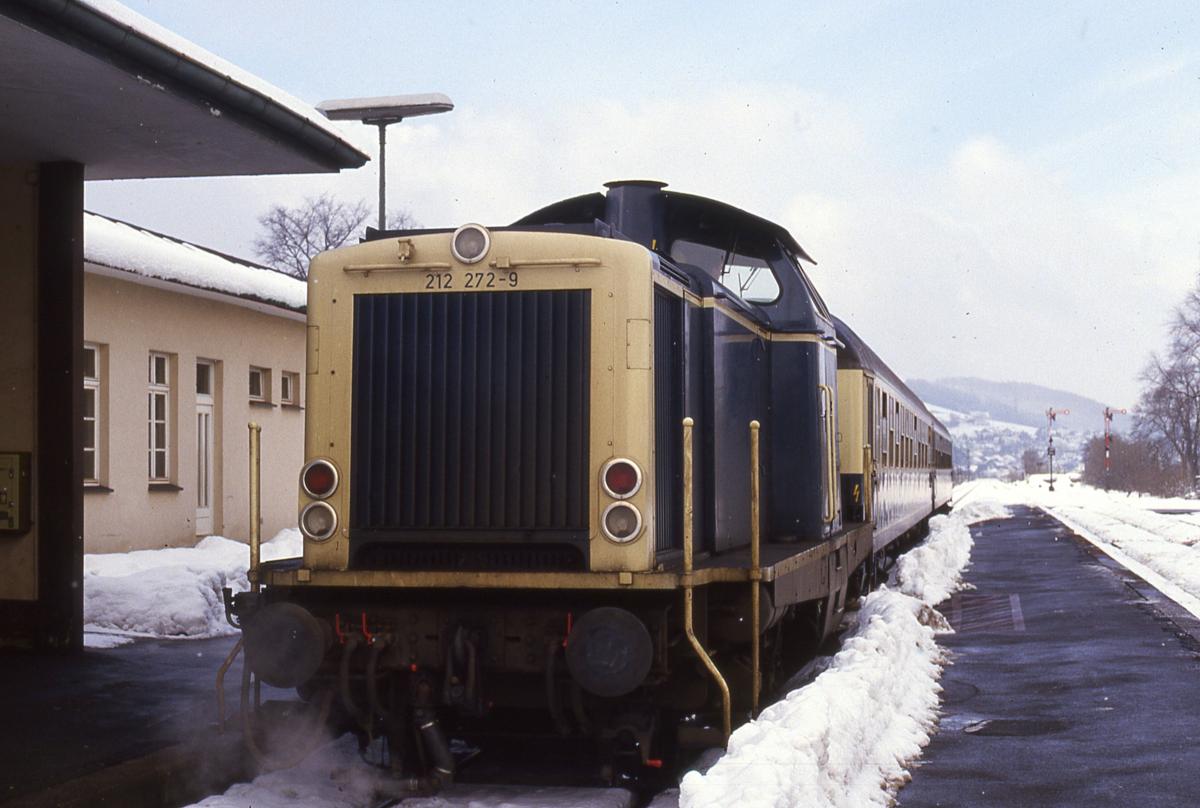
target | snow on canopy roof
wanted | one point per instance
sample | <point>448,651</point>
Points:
<point>119,245</point>
<point>190,51</point>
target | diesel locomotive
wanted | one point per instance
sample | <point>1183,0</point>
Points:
<point>613,468</point>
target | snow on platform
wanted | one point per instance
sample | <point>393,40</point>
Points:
<point>846,739</point>
<point>172,593</point>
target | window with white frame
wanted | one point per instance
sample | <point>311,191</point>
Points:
<point>158,422</point>
<point>260,384</point>
<point>289,388</point>
<point>91,414</point>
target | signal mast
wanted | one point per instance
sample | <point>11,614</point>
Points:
<point>1051,414</point>
<point>1109,412</point>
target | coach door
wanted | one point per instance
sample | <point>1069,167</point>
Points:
<point>204,448</point>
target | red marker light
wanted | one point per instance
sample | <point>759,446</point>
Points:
<point>622,478</point>
<point>319,479</point>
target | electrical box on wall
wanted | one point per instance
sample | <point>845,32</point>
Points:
<point>14,493</point>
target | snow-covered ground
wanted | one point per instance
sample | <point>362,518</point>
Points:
<point>992,448</point>
<point>170,593</point>
<point>845,739</point>
<point>1162,548</point>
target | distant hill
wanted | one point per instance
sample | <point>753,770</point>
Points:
<point>1015,402</point>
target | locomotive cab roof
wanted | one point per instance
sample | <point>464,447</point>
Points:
<point>714,249</point>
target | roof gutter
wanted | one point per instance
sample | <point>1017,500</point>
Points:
<point>91,31</point>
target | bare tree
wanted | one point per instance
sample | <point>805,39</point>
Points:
<point>292,236</point>
<point>1169,410</point>
<point>1137,465</point>
<point>1031,462</point>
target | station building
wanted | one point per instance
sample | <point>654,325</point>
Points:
<point>216,343</point>
<point>93,91</point>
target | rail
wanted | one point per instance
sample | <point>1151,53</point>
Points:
<point>689,583</point>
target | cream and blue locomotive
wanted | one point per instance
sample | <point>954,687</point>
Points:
<point>611,468</point>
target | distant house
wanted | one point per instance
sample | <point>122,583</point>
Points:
<point>183,347</point>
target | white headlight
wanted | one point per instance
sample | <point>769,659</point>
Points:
<point>621,522</point>
<point>318,521</point>
<point>471,243</point>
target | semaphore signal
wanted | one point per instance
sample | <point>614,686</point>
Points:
<point>1109,412</point>
<point>1051,414</point>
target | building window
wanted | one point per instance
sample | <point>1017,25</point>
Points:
<point>260,384</point>
<point>159,400</point>
<point>204,378</point>
<point>289,388</point>
<point>91,415</point>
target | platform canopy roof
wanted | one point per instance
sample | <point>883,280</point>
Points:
<point>92,82</point>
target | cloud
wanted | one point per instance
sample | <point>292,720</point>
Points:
<point>992,262</point>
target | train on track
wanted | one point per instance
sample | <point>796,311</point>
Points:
<point>610,471</point>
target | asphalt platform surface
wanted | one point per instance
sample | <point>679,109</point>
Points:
<point>112,726</point>
<point>1073,682</point>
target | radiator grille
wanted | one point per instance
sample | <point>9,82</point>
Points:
<point>470,414</point>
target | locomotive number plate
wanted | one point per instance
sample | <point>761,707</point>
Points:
<point>505,279</point>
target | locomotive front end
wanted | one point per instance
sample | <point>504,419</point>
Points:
<point>478,501</point>
<point>477,404</point>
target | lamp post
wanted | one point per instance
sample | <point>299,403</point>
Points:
<point>383,111</point>
<point>1051,414</point>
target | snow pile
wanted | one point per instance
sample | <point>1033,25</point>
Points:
<point>173,592</point>
<point>933,571</point>
<point>122,246</point>
<point>837,740</point>
<point>845,739</point>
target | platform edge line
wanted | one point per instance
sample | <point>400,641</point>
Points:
<point>1169,590</point>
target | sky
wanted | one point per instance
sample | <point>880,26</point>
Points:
<point>1004,190</point>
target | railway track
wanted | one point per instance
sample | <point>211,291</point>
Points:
<point>548,772</point>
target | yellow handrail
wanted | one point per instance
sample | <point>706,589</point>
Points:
<point>830,455</point>
<point>755,570</point>
<point>868,484</point>
<point>689,585</point>
<point>255,504</point>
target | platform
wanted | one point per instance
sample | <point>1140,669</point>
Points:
<point>1073,683</point>
<point>128,726</point>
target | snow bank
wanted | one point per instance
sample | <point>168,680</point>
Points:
<point>173,592</point>
<point>844,740</point>
<point>836,741</point>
